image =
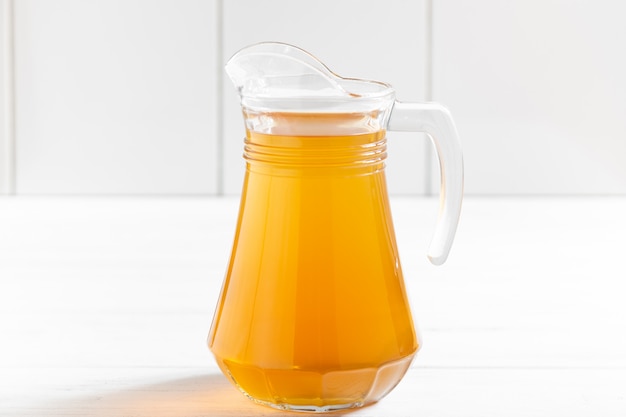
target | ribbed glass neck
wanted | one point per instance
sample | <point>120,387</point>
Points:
<point>314,144</point>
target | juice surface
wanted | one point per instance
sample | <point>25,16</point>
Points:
<point>313,311</point>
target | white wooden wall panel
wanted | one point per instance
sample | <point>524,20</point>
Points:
<point>115,97</point>
<point>357,38</point>
<point>129,97</point>
<point>538,92</point>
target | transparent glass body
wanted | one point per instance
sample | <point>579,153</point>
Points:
<point>313,314</point>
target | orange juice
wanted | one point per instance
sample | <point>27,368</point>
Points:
<point>313,314</point>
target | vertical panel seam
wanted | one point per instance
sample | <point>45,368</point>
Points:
<point>428,93</point>
<point>9,98</point>
<point>219,100</point>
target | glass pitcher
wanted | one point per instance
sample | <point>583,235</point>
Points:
<point>313,313</point>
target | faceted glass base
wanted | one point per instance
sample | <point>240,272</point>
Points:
<point>316,391</point>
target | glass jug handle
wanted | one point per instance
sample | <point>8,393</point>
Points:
<point>436,121</point>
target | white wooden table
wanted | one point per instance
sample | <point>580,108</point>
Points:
<point>105,304</point>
